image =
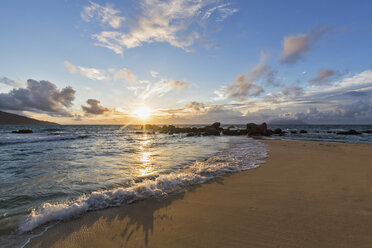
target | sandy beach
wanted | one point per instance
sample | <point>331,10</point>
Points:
<point>307,194</point>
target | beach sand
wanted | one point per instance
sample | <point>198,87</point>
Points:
<point>307,194</point>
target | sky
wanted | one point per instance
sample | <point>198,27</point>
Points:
<point>187,61</point>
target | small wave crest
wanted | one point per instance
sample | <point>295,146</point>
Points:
<point>7,141</point>
<point>245,154</point>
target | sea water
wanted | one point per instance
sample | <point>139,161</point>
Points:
<point>60,172</point>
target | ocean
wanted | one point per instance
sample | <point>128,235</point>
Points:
<point>61,172</point>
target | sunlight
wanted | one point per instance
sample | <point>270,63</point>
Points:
<point>143,113</point>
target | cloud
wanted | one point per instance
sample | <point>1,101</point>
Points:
<point>105,14</point>
<point>94,107</point>
<point>292,91</point>
<point>295,47</point>
<point>323,76</point>
<point>197,106</point>
<point>124,74</point>
<point>159,88</point>
<point>198,112</point>
<point>284,95</point>
<point>359,111</point>
<point>356,93</point>
<point>92,73</point>
<point>98,74</point>
<point>222,12</point>
<point>245,85</point>
<point>39,96</point>
<point>154,74</point>
<point>70,67</point>
<point>163,21</point>
<point>10,82</point>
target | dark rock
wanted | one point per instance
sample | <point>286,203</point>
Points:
<point>303,131</point>
<point>216,125</point>
<point>329,131</point>
<point>293,132</point>
<point>269,132</point>
<point>350,132</point>
<point>23,131</point>
<point>257,130</point>
<point>367,131</point>
<point>234,132</point>
<point>278,131</point>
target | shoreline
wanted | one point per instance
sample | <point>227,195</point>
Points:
<point>307,194</point>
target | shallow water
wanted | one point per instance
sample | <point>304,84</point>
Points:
<point>59,172</point>
<point>326,133</point>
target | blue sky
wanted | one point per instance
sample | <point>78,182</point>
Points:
<point>187,61</point>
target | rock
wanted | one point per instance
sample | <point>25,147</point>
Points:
<point>216,125</point>
<point>257,130</point>
<point>23,131</point>
<point>278,131</point>
<point>234,132</point>
<point>350,132</point>
<point>367,131</point>
<point>293,132</point>
<point>269,132</point>
<point>303,131</point>
<point>329,131</point>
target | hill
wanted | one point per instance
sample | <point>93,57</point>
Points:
<point>13,119</point>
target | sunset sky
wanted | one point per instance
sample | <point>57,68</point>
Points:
<point>99,62</point>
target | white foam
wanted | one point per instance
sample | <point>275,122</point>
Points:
<point>246,154</point>
<point>33,139</point>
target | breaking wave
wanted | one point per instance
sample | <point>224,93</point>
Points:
<point>7,141</point>
<point>243,155</point>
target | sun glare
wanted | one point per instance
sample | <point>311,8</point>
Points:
<point>143,113</point>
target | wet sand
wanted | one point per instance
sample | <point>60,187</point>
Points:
<point>307,194</point>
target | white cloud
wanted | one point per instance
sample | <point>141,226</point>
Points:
<point>164,21</point>
<point>105,14</point>
<point>158,89</point>
<point>154,74</point>
<point>93,73</point>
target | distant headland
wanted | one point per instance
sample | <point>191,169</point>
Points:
<point>13,119</point>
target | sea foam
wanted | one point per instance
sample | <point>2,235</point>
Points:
<point>35,139</point>
<point>243,155</point>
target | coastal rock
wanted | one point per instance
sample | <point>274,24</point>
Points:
<point>293,132</point>
<point>257,130</point>
<point>234,132</point>
<point>367,131</point>
<point>278,131</point>
<point>23,131</point>
<point>303,131</point>
<point>350,132</point>
<point>216,125</point>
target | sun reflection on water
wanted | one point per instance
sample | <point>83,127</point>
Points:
<point>146,168</point>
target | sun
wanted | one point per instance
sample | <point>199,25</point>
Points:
<point>143,113</point>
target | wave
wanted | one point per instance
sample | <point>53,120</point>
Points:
<point>7,141</point>
<point>247,154</point>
